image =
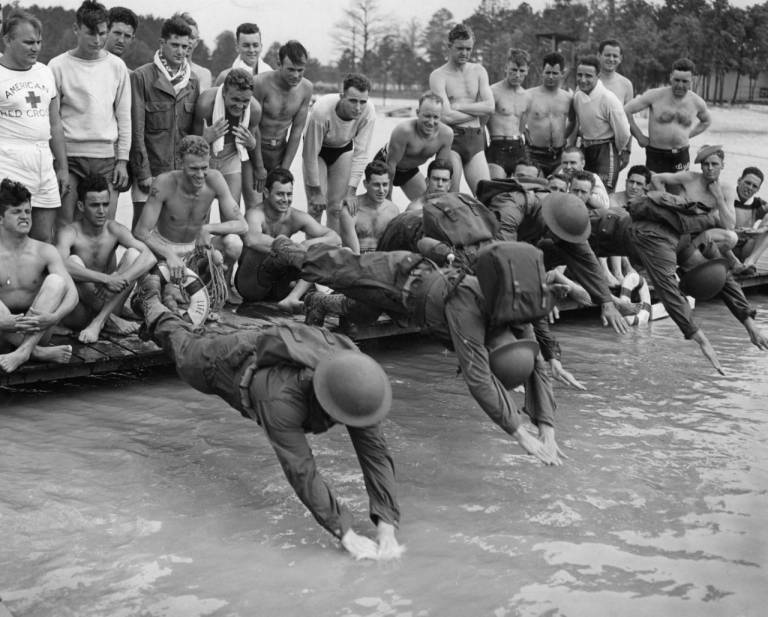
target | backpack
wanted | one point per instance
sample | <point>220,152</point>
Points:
<point>298,345</point>
<point>459,220</point>
<point>513,280</point>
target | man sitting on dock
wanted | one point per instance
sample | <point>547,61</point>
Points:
<point>270,260</point>
<point>88,247</point>
<point>361,231</point>
<point>439,178</point>
<point>294,379</point>
<point>36,291</point>
<point>415,141</point>
<point>751,217</point>
<point>176,217</point>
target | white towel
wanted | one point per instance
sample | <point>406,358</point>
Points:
<point>219,111</point>
<point>261,66</point>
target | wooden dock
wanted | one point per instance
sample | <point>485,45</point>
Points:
<point>114,353</point>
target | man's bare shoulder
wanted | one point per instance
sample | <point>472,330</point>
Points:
<point>255,215</point>
<point>118,229</point>
<point>403,130</point>
<point>440,71</point>
<point>207,97</point>
<point>698,102</point>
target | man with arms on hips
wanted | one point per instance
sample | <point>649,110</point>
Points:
<point>203,74</point>
<point>439,175</point>
<point>548,119</point>
<point>361,231</point>
<point>97,128</point>
<point>30,122</point>
<point>284,96</point>
<point>36,291</point>
<point>415,141</point>
<point>507,145</point>
<point>467,101</point>
<point>672,111</point>
<point>270,260</point>
<point>228,119</point>
<point>164,93</point>
<point>336,145</point>
<point>602,124</point>
<point>88,248</point>
<point>122,24</point>
<point>176,217</point>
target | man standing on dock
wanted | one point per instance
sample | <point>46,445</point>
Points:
<point>36,291</point>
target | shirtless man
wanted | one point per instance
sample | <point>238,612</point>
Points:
<point>751,217</point>
<point>467,100</point>
<point>336,144</point>
<point>270,260</point>
<point>228,119</point>
<point>284,96</point>
<point>413,142</point>
<point>549,118</point>
<point>177,214</point>
<point>672,110</point>
<point>88,247</point>
<point>638,180</point>
<point>361,231</point>
<point>439,175</point>
<point>706,188</point>
<point>511,100</point>
<point>36,291</point>
<point>610,56</point>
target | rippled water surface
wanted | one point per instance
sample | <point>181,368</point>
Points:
<point>139,496</point>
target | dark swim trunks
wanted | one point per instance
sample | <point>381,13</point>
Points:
<point>505,152</point>
<point>467,142</point>
<point>667,161</point>
<point>331,154</point>
<point>546,159</point>
<point>602,159</point>
<point>272,152</point>
<point>402,176</point>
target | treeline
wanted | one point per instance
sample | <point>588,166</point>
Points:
<point>717,36</point>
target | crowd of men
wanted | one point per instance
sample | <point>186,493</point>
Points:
<point>543,160</point>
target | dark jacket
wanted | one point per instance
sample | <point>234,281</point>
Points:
<point>160,119</point>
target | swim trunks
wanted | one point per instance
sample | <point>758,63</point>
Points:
<point>331,154</point>
<point>402,176</point>
<point>659,160</point>
<point>467,142</point>
<point>180,249</point>
<point>273,152</point>
<point>228,160</point>
<point>506,152</point>
<point>546,159</point>
<point>601,158</point>
<point>82,166</point>
<point>32,165</point>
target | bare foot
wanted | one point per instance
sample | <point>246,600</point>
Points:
<point>9,362</point>
<point>291,306</point>
<point>123,327</point>
<point>60,354</point>
<point>90,334</point>
<point>62,331</point>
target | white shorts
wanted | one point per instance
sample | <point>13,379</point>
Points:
<point>32,165</point>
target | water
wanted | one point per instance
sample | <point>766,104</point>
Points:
<point>139,496</point>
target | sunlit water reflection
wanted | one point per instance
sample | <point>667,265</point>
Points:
<point>138,496</point>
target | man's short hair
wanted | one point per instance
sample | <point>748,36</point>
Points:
<point>175,26</point>
<point>12,194</point>
<point>194,145</point>
<point>609,42</point>
<point>356,80</point>
<point>91,14</point>
<point>120,14</point>
<point>376,168</point>
<point>278,174</point>
<point>753,171</point>
<point>431,96</point>
<point>294,51</point>
<point>460,32</point>
<point>246,28</point>
<point>640,170</point>
<point>554,58</point>
<point>188,18</point>
<point>92,183</point>
<point>684,64</point>
<point>590,60</point>
<point>585,176</point>
<point>572,149</point>
<point>518,56</point>
<point>20,16</point>
<point>238,79</point>
<point>444,164</point>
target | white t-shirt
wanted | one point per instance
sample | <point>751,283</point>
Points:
<point>25,98</point>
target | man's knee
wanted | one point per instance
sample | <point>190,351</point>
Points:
<point>232,246</point>
<point>76,259</point>
<point>130,256</point>
<point>53,283</point>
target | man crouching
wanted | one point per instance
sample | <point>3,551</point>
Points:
<point>36,291</point>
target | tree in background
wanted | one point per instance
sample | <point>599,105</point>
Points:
<point>224,53</point>
<point>361,31</point>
